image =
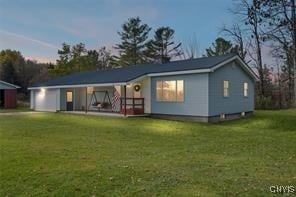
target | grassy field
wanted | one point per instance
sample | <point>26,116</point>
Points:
<point>18,109</point>
<point>72,155</point>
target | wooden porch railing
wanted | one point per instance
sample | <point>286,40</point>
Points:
<point>131,106</point>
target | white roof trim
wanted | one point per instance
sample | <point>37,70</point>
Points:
<point>171,73</point>
<point>243,64</point>
<point>9,84</point>
<point>179,72</point>
<point>77,86</point>
<point>137,79</point>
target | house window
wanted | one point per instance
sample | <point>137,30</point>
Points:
<point>159,90</point>
<point>226,88</point>
<point>69,96</point>
<point>180,90</point>
<point>246,89</point>
<point>171,91</point>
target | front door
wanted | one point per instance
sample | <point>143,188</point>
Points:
<point>69,101</point>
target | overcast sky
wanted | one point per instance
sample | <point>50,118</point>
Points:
<point>38,27</point>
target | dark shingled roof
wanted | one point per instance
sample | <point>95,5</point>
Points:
<point>128,73</point>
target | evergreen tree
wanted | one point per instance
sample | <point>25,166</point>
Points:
<point>221,47</point>
<point>63,63</point>
<point>162,47</point>
<point>134,37</point>
<point>79,57</point>
<point>100,60</point>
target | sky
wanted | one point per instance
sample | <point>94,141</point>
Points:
<point>37,28</point>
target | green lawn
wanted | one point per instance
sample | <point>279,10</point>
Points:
<point>73,155</point>
<point>18,109</point>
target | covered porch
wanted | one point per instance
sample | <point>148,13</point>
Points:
<point>122,99</point>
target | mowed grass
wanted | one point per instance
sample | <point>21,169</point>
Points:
<point>18,109</point>
<point>71,155</point>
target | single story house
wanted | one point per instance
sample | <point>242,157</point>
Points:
<point>203,89</point>
<point>8,93</point>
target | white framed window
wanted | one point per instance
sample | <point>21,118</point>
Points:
<point>226,88</point>
<point>159,90</point>
<point>246,89</point>
<point>180,90</point>
<point>170,91</point>
<point>69,96</point>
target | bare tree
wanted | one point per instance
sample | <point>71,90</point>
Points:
<point>294,43</point>
<point>236,34</point>
<point>280,27</point>
<point>191,48</point>
<point>250,14</point>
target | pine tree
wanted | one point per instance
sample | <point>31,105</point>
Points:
<point>63,63</point>
<point>221,47</point>
<point>134,37</point>
<point>79,58</point>
<point>162,47</point>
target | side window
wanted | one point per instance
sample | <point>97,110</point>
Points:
<point>246,89</point>
<point>226,88</point>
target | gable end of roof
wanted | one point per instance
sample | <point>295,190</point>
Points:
<point>9,85</point>
<point>241,62</point>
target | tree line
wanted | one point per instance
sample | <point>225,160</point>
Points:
<point>15,69</point>
<point>261,23</point>
<point>135,48</point>
<point>270,24</point>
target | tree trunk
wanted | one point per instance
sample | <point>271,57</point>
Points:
<point>294,46</point>
<point>259,62</point>
<point>280,86</point>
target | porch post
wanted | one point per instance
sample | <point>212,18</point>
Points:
<point>85,99</point>
<point>124,95</point>
<point>74,99</point>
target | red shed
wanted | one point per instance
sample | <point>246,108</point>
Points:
<point>8,95</point>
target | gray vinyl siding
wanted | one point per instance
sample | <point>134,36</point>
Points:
<point>47,100</point>
<point>63,104</point>
<point>195,96</point>
<point>236,102</point>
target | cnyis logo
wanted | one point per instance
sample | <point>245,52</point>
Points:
<point>282,189</point>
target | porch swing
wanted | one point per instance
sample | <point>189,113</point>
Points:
<point>99,105</point>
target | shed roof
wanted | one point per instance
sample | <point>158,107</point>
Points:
<point>129,73</point>
<point>6,85</point>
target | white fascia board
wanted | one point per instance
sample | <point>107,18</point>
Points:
<point>77,86</point>
<point>9,84</point>
<point>137,79</point>
<point>170,73</point>
<point>248,69</point>
<point>243,64</point>
<point>179,72</point>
